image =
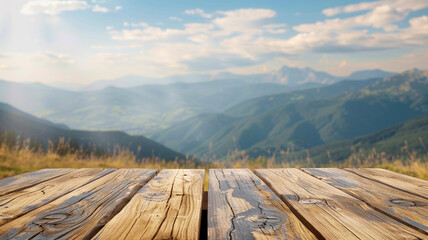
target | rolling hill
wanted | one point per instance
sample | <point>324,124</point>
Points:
<point>195,132</point>
<point>304,119</point>
<point>392,141</point>
<point>28,126</point>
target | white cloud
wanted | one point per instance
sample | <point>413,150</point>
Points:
<point>247,21</point>
<point>398,5</point>
<point>117,8</point>
<point>132,46</point>
<point>243,20</point>
<point>52,7</point>
<point>135,25</point>
<point>380,17</point>
<point>363,6</point>
<point>55,58</point>
<point>275,28</point>
<point>120,47</point>
<point>175,19</point>
<point>245,37</point>
<point>331,11</point>
<point>109,28</point>
<point>417,33</point>
<point>198,12</point>
<point>140,24</point>
<point>98,8</point>
<point>353,34</point>
<point>150,33</point>
<point>351,8</point>
<point>146,34</point>
<point>227,40</point>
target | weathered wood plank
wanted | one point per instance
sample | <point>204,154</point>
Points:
<point>17,203</point>
<point>81,213</point>
<point>403,206</point>
<point>334,213</point>
<point>241,206</point>
<point>400,181</point>
<point>168,207</point>
<point>29,179</point>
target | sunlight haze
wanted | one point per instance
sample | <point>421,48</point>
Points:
<point>78,41</point>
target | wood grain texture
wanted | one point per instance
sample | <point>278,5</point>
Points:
<point>400,181</point>
<point>332,212</point>
<point>81,213</point>
<point>405,207</point>
<point>241,206</point>
<point>17,203</point>
<point>168,207</point>
<point>29,179</point>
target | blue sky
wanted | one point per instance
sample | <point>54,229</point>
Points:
<point>80,41</point>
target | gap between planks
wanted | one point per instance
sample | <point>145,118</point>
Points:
<point>24,200</point>
<point>404,207</point>
<point>262,179</point>
<point>167,207</point>
<point>29,179</point>
<point>332,212</point>
<point>241,206</point>
<point>395,180</point>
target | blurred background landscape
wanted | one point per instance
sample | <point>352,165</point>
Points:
<point>248,84</point>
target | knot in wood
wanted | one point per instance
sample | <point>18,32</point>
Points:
<point>52,218</point>
<point>403,202</point>
<point>267,220</point>
<point>310,201</point>
<point>157,197</point>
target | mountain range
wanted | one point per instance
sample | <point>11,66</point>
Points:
<point>147,109</point>
<point>286,75</point>
<point>303,119</point>
<point>220,113</point>
<point>138,110</point>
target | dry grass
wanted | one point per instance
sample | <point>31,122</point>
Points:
<point>16,161</point>
<point>19,160</point>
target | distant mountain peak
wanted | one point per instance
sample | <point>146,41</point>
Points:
<point>369,73</point>
<point>286,75</point>
<point>296,76</point>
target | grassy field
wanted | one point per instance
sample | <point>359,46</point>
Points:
<point>16,160</point>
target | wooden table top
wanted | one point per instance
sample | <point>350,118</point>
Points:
<point>285,203</point>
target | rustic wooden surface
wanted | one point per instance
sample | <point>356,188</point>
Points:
<point>17,203</point>
<point>29,179</point>
<point>168,207</point>
<point>82,212</point>
<point>332,212</point>
<point>270,204</point>
<point>241,206</point>
<point>405,207</point>
<point>403,182</point>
